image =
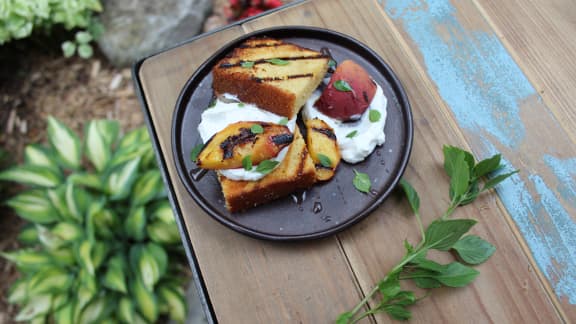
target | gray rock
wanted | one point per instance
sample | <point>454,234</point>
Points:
<point>136,28</point>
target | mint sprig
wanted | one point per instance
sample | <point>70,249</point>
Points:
<point>442,234</point>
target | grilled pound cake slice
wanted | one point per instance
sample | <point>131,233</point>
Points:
<point>295,172</point>
<point>276,76</point>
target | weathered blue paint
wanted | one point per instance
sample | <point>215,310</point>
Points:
<point>484,88</point>
<point>565,171</point>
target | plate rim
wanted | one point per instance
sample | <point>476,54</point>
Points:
<point>200,200</point>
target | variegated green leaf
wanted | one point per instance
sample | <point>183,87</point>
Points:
<point>119,182</point>
<point>89,180</point>
<point>84,296</point>
<point>64,256</point>
<point>28,259</point>
<point>33,175</point>
<point>74,207</point>
<point>97,148</point>
<point>84,256</point>
<point>57,197</point>
<point>48,239</point>
<point>59,301</point>
<point>87,281</point>
<point>136,137</point>
<point>68,231</point>
<point>28,235</point>
<point>65,143</point>
<point>96,310</point>
<point>105,223</point>
<point>109,130</point>
<point>148,269</point>
<point>49,280</point>
<point>35,154</point>
<point>18,292</point>
<point>36,306</point>
<point>114,278</point>
<point>125,311</point>
<point>64,315</point>
<point>34,206</point>
<point>99,253</point>
<point>162,211</point>
<point>135,224</point>
<point>126,154</point>
<point>176,303</point>
<point>163,233</point>
<point>145,300</point>
<point>147,187</point>
<point>159,254</point>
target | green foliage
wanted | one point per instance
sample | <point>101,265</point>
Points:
<point>19,18</point>
<point>101,240</point>
<point>442,234</point>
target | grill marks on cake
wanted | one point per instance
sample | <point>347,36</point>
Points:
<point>227,65</point>
<point>325,131</point>
<point>285,77</point>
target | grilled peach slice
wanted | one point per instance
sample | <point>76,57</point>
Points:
<point>227,148</point>
<point>323,148</point>
<point>348,94</point>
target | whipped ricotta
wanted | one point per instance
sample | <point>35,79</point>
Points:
<point>368,134</point>
<point>222,114</point>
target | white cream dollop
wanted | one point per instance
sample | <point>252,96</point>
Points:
<point>222,114</point>
<point>369,134</point>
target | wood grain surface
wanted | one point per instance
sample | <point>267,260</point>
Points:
<point>467,88</point>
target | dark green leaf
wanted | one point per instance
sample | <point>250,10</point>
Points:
<point>442,234</point>
<point>344,318</point>
<point>493,182</point>
<point>195,151</point>
<point>352,134</point>
<point>404,298</point>
<point>460,175</point>
<point>487,165</point>
<point>257,129</point>
<point>430,265</point>
<point>324,160</point>
<point>247,64</point>
<point>457,275</point>
<point>473,249</point>
<point>411,194</point>
<point>247,162</point>
<point>374,115</point>
<point>427,283</point>
<point>241,104</point>
<point>409,248</point>
<point>398,312</point>
<point>283,121</point>
<point>277,61</point>
<point>472,193</point>
<point>212,103</point>
<point>342,85</point>
<point>389,287</point>
<point>361,182</point>
<point>450,155</point>
<point>331,63</point>
<point>266,166</point>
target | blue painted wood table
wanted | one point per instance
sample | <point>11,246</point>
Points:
<point>487,75</point>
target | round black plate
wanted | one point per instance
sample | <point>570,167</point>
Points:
<point>327,207</point>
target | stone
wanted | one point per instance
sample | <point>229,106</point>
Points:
<point>134,29</point>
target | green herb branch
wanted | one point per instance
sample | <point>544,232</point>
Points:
<point>443,234</point>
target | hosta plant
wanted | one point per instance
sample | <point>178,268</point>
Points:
<point>101,237</point>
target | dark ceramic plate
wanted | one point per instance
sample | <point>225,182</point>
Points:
<point>328,207</point>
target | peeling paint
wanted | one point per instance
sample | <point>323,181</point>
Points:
<point>483,86</point>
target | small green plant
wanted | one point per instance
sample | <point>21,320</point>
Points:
<point>19,18</point>
<point>443,234</point>
<point>101,238</point>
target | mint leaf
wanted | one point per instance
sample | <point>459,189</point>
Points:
<point>398,312</point>
<point>345,318</point>
<point>404,298</point>
<point>266,166</point>
<point>241,104</point>
<point>496,180</point>
<point>352,134</point>
<point>331,63</point>
<point>247,64</point>
<point>283,121</point>
<point>390,287</point>
<point>457,275</point>
<point>411,194</point>
<point>257,129</point>
<point>324,160</point>
<point>195,152</point>
<point>247,162</point>
<point>427,283</point>
<point>442,234</point>
<point>342,85</point>
<point>487,166</point>
<point>277,61</point>
<point>374,115</point>
<point>361,182</point>
<point>460,177</point>
<point>473,249</point>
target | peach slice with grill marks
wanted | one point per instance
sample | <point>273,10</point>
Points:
<point>323,148</point>
<point>227,148</point>
<point>348,94</point>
